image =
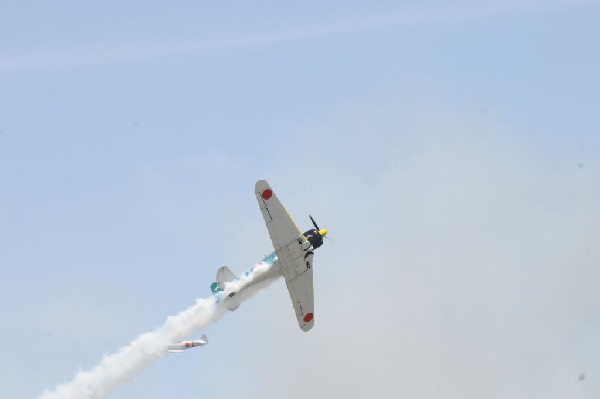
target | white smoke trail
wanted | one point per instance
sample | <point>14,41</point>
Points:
<point>117,368</point>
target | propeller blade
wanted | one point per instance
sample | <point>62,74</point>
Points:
<point>313,222</point>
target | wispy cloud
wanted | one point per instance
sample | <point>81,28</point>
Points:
<point>136,51</point>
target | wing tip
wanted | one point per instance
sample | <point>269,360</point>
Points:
<point>308,322</point>
<point>261,185</point>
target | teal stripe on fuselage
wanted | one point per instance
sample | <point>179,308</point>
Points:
<point>270,260</point>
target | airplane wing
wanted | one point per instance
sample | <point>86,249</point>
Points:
<point>293,253</point>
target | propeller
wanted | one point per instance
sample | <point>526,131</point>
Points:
<point>323,232</point>
<point>314,223</point>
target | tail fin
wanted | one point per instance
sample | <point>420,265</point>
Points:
<point>204,339</point>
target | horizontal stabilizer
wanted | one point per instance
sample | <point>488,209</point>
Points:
<point>232,303</point>
<point>224,275</point>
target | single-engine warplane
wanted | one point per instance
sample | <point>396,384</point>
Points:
<point>292,258</point>
<point>183,345</point>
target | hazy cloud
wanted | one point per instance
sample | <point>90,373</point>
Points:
<point>463,264</point>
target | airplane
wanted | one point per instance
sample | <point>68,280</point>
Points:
<point>183,345</point>
<point>292,259</point>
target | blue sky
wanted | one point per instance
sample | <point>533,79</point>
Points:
<point>450,148</point>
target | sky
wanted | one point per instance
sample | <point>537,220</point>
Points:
<point>450,148</point>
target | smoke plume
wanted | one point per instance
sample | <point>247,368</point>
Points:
<point>121,366</point>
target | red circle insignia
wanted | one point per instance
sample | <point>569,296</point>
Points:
<point>308,317</point>
<point>267,194</point>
